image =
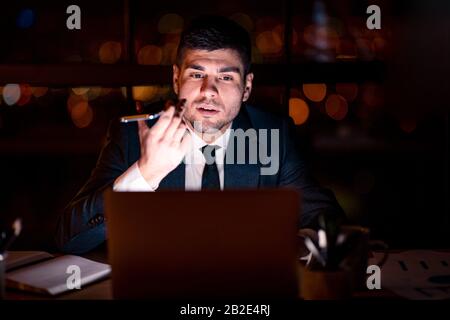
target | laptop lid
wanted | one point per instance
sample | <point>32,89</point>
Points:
<point>213,244</point>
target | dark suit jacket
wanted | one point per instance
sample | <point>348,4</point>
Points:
<point>81,227</point>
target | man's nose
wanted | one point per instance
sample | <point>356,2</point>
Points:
<point>209,88</point>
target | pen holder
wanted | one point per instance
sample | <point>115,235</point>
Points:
<point>325,284</point>
<point>2,275</point>
<point>356,261</point>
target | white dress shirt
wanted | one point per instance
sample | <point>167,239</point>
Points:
<point>132,179</point>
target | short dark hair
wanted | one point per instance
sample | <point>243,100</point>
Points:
<point>211,32</point>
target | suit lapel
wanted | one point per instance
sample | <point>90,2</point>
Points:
<point>175,179</point>
<point>236,175</point>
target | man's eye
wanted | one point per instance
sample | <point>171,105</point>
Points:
<point>196,75</point>
<point>227,78</point>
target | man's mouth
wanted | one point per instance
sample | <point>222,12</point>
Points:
<point>207,110</point>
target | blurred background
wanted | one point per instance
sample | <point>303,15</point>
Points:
<point>371,106</point>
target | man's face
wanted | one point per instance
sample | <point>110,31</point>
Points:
<point>214,86</point>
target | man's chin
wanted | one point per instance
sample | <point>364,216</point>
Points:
<point>206,126</point>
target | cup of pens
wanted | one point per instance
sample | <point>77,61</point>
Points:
<point>7,237</point>
<point>337,261</point>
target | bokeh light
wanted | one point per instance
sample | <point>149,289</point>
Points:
<point>80,90</point>
<point>144,93</point>
<point>348,90</point>
<point>39,91</point>
<point>123,90</point>
<point>74,100</point>
<point>25,19</point>
<point>244,20</point>
<point>25,94</point>
<point>315,91</point>
<point>336,107</point>
<point>110,52</point>
<point>150,55</point>
<point>269,42</point>
<point>298,110</point>
<point>82,114</point>
<point>11,94</point>
<point>170,23</point>
<point>93,93</point>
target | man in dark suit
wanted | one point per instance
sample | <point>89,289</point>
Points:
<point>228,144</point>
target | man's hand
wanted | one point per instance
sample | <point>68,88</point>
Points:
<point>163,146</point>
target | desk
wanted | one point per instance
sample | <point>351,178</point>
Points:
<point>102,290</point>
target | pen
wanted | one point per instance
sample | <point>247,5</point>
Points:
<point>323,244</point>
<point>6,243</point>
<point>146,116</point>
<point>314,251</point>
<point>139,117</point>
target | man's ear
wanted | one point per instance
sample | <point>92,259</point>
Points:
<point>175,77</point>
<point>248,86</point>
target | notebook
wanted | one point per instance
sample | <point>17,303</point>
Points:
<point>53,276</point>
<point>16,259</point>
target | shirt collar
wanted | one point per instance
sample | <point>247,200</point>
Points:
<point>221,141</point>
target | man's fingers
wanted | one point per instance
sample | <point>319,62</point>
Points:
<point>142,129</point>
<point>186,141</point>
<point>172,128</point>
<point>179,133</point>
<point>163,122</point>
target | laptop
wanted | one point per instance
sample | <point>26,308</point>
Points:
<point>210,244</point>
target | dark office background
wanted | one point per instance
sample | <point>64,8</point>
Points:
<point>371,106</point>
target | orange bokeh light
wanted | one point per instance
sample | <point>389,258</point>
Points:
<point>144,93</point>
<point>269,42</point>
<point>315,91</point>
<point>110,52</point>
<point>39,91</point>
<point>150,55</point>
<point>74,100</point>
<point>298,110</point>
<point>82,114</point>
<point>336,107</point>
<point>25,96</point>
